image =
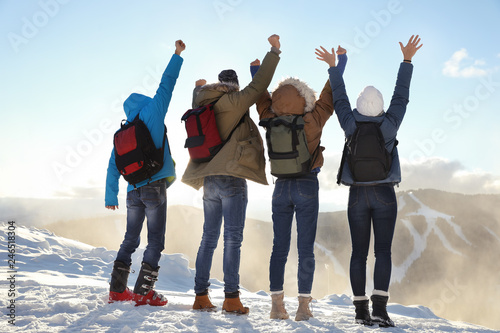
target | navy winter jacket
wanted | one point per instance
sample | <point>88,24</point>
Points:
<point>390,120</point>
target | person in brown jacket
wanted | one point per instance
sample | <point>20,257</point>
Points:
<point>297,195</point>
<point>224,177</point>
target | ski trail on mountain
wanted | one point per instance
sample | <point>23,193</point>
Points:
<point>420,240</point>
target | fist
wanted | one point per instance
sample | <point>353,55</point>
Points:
<point>201,82</point>
<point>341,50</point>
<point>274,40</point>
<point>256,62</point>
<point>179,46</point>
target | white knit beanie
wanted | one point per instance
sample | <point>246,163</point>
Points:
<point>370,102</point>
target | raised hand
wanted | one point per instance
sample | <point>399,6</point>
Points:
<point>411,48</point>
<point>274,40</point>
<point>179,47</point>
<point>200,82</point>
<point>326,56</point>
<point>341,50</point>
<point>256,62</point>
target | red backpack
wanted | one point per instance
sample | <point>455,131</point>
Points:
<point>136,155</point>
<point>203,141</point>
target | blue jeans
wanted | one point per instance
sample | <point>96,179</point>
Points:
<point>371,204</point>
<point>223,196</point>
<point>299,196</point>
<point>146,201</point>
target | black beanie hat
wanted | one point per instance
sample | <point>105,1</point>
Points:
<point>228,75</point>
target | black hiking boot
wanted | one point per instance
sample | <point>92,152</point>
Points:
<point>379,311</point>
<point>362,312</point>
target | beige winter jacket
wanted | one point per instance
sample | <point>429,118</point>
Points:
<point>293,97</point>
<point>243,155</point>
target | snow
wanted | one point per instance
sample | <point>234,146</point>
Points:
<point>492,233</point>
<point>420,241</point>
<point>62,285</point>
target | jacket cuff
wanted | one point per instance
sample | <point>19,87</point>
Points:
<point>332,70</point>
<point>275,50</point>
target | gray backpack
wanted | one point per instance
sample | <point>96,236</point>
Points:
<point>287,146</point>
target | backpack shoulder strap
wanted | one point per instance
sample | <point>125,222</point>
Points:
<point>242,120</point>
<point>342,162</point>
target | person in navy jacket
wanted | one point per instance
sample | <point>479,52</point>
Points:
<point>372,202</point>
<point>148,198</point>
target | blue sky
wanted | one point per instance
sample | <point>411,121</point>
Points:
<point>67,66</point>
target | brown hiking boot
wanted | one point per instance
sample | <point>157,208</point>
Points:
<point>304,312</point>
<point>203,303</point>
<point>278,307</point>
<point>232,304</point>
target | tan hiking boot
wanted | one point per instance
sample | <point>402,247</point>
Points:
<point>203,303</point>
<point>278,307</point>
<point>233,305</point>
<point>304,311</point>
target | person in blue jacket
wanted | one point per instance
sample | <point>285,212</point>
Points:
<point>148,198</point>
<point>372,202</point>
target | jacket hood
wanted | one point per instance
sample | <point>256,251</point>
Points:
<point>210,92</point>
<point>135,103</point>
<point>292,96</point>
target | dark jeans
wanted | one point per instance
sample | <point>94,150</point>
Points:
<point>299,196</point>
<point>147,201</point>
<point>223,196</point>
<point>371,204</point>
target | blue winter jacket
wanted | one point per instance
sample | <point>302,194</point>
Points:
<point>152,112</point>
<point>390,120</point>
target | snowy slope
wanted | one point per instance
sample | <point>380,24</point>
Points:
<point>61,286</point>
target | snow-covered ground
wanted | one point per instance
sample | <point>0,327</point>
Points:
<point>61,285</point>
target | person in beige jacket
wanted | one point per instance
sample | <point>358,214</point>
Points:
<point>224,177</point>
<point>298,195</point>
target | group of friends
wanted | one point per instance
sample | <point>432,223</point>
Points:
<point>224,181</point>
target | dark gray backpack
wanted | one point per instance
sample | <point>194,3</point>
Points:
<point>366,155</point>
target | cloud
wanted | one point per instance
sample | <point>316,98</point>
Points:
<point>454,67</point>
<point>430,173</point>
<point>449,176</point>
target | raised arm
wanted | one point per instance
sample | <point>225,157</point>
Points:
<point>245,98</point>
<point>254,67</point>
<point>262,78</point>
<point>340,100</point>
<point>400,98</point>
<point>264,102</point>
<point>163,95</point>
<point>324,105</point>
<point>198,84</point>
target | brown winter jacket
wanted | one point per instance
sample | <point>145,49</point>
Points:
<point>243,155</point>
<point>295,97</point>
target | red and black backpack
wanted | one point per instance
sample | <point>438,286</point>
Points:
<point>204,141</point>
<point>136,155</point>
